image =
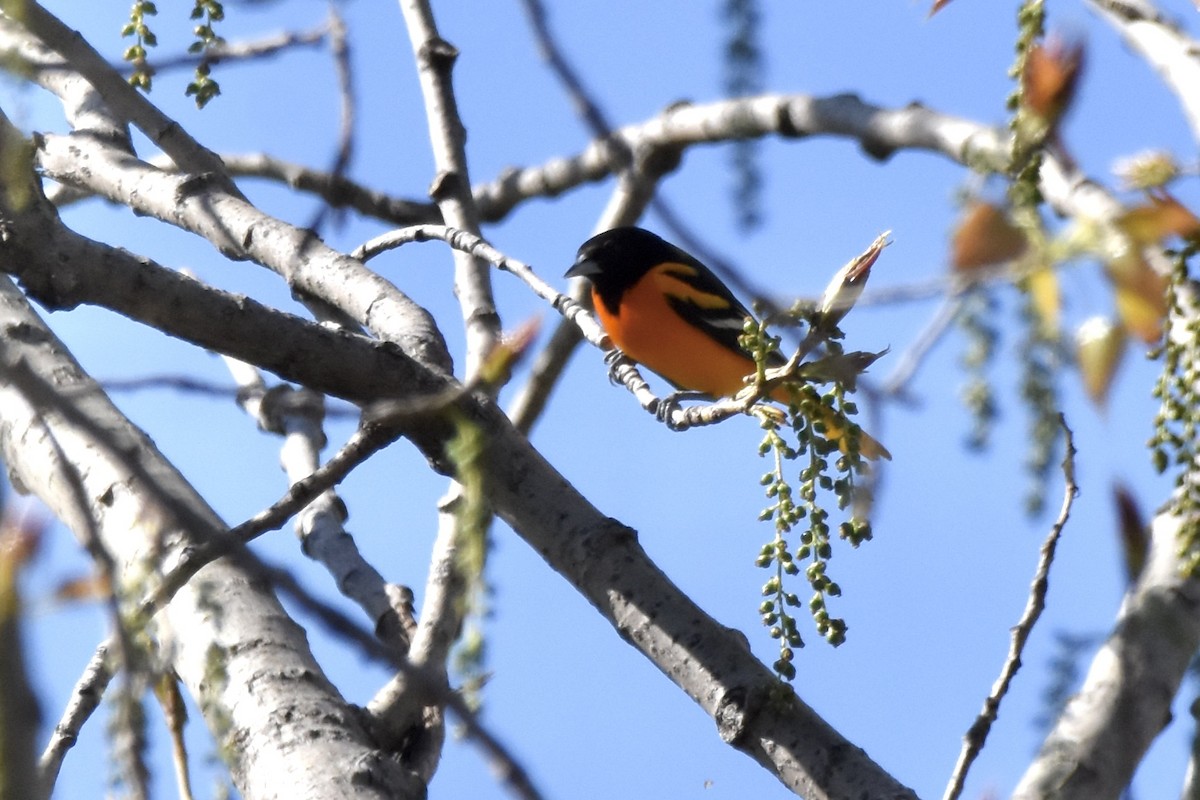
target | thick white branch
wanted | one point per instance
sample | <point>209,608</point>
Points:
<point>1125,700</point>
<point>249,666</point>
<point>240,231</point>
<point>1173,54</point>
<point>451,189</point>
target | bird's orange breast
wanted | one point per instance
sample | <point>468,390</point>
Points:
<point>648,330</point>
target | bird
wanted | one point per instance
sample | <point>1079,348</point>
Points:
<point>667,311</point>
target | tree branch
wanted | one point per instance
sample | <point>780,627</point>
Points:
<point>251,50</point>
<point>404,706</point>
<point>297,415</point>
<point>332,361</point>
<point>1163,45</point>
<point>451,189</point>
<point>118,94</point>
<point>142,508</point>
<point>240,230</point>
<point>1125,700</point>
<point>83,106</point>
<point>974,741</point>
<point>83,702</point>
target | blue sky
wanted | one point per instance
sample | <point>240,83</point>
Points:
<point>929,602</point>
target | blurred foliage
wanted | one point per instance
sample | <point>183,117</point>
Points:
<point>744,68</point>
<point>19,712</point>
<point>1064,674</point>
<point>471,545</point>
<point>1041,360</point>
<point>978,321</point>
<point>1174,442</point>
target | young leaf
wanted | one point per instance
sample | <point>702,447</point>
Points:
<point>985,236</point>
<point>1099,345</point>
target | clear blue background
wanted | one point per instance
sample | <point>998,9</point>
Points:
<point>929,602</point>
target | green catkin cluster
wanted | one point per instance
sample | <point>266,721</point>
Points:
<point>777,553</point>
<point>1040,359</point>
<point>203,87</point>
<point>1041,348</point>
<point>1173,444</point>
<point>799,509</point>
<point>1028,131</point>
<point>977,321</point>
<point>744,65</point>
<point>135,54</point>
<point>206,12</point>
<point>472,544</point>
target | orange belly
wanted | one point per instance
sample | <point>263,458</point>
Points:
<point>649,331</point>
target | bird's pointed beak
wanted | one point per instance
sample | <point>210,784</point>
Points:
<point>583,268</point>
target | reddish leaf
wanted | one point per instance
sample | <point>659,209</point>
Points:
<point>1131,527</point>
<point>90,587</point>
<point>937,6</point>
<point>1050,78</point>
<point>21,535</point>
<point>985,236</point>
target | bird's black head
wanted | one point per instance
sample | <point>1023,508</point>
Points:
<point>614,260</point>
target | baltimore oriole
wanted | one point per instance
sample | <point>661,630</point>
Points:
<point>670,313</point>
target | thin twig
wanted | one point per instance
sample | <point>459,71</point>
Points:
<point>976,736</point>
<point>378,431</point>
<point>238,51</point>
<point>186,383</point>
<point>363,444</point>
<point>180,383</point>
<point>914,355</point>
<point>621,368</point>
<point>339,47</point>
<point>625,206</point>
<point>83,702</point>
<point>1191,779</point>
